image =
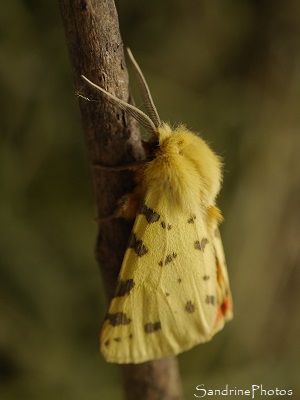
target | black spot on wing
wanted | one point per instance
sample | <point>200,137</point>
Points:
<point>204,242</point>
<point>151,215</point>
<point>118,318</point>
<point>210,300</point>
<point>200,245</point>
<point>117,339</point>
<point>197,245</point>
<point>124,287</point>
<point>205,277</point>
<point>168,259</point>
<point>152,327</point>
<point>137,245</point>
<point>166,226</point>
<point>189,307</point>
<point>192,218</point>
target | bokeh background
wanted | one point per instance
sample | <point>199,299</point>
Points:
<point>228,69</point>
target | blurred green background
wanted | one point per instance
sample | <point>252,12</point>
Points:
<point>228,69</point>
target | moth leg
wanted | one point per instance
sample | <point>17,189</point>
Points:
<point>131,166</point>
<point>128,204</point>
<point>127,207</point>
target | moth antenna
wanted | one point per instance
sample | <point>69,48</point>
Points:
<point>135,112</point>
<point>145,91</point>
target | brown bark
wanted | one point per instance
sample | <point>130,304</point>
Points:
<point>112,138</point>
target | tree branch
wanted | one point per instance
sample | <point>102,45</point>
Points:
<point>112,138</point>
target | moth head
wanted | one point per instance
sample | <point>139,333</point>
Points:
<point>190,158</point>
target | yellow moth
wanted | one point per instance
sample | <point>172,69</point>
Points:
<point>173,290</point>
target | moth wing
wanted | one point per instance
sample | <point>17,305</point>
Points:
<point>223,288</point>
<point>166,301</point>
